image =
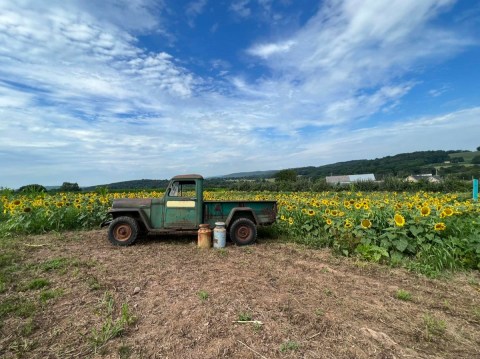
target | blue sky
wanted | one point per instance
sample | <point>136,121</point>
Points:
<point>98,92</point>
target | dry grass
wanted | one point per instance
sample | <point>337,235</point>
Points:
<point>310,303</point>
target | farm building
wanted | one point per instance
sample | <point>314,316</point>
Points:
<point>424,177</point>
<point>350,178</point>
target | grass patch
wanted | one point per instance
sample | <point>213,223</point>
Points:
<point>9,268</point>
<point>221,252</point>
<point>328,292</point>
<point>93,283</point>
<point>248,250</point>
<point>203,295</point>
<point>47,295</point>
<point>19,306</point>
<point>124,352</point>
<point>433,327</point>
<point>476,313</point>
<point>28,328</point>
<point>21,346</point>
<point>289,346</point>
<point>404,295</point>
<point>7,259</point>
<point>244,317</point>
<point>38,283</point>
<point>54,264</point>
<point>61,264</point>
<point>257,326</point>
<point>111,328</point>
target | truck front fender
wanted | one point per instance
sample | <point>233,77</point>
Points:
<point>241,212</point>
<point>136,213</point>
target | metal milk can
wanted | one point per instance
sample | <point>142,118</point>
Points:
<point>219,235</point>
<point>204,236</point>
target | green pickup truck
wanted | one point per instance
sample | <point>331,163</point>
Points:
<point>182,209</point>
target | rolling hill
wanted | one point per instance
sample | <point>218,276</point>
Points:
<point>456,163</point>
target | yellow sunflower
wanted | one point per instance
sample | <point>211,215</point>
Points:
<point>440,226</point>
<point>366,223</point>
<point>399,220</point>
<point>448,211</point>
<point>425,211</point>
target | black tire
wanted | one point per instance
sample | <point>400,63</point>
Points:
<point>243,232</point>
<point>123,231</point>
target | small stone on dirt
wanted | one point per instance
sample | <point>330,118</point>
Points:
<point>136,290</point>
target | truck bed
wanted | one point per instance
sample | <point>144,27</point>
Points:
<point>218,211</point>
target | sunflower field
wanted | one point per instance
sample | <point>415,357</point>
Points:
<point>430,232</point>
<point>42,212</point>
<point>427,231</point>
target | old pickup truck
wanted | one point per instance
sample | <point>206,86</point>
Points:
<point>182,209</point>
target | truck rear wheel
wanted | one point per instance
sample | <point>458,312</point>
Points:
<point>123,231</point>
<point>243,231</point>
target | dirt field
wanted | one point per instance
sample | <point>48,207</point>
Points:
<point>65,300</point>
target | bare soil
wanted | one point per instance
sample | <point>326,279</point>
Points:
<point>310,304</point>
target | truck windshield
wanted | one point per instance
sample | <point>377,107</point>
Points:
<point>174,190</point>
<point>182,189</point>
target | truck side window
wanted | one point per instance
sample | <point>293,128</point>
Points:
<point>173,190</point>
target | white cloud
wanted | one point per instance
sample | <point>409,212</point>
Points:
<point>438,91</point>
<point>240,7</point>
<point>266,50</point>
<point>194,9</point>
<point>345,58</point>
<point>67,53</point>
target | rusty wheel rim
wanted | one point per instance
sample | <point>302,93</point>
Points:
<point>122,232</point>
<point>243,233</point>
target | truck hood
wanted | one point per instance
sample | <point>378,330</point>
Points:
<point>131,203</point>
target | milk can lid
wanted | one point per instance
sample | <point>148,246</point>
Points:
<point>220,224</point>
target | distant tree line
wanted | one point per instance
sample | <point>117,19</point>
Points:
<point>132,185</point>
<point>400,165</point>
<point>306,184</point>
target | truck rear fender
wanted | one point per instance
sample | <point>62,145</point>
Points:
<point>136,213</point>
<point>241,212</point>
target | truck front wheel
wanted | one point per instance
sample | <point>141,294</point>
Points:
<point>123,231</point>
<point>243,231</point>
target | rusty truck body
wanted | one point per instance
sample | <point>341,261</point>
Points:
<point>182,209</point>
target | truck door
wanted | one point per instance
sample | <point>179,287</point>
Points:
<point>181,205</point>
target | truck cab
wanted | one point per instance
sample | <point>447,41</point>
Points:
<point>181,206</point>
